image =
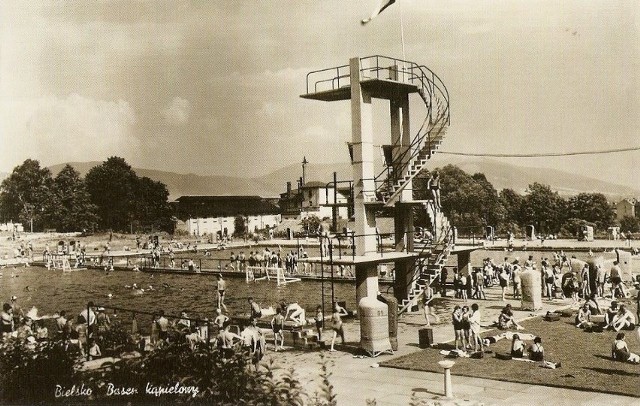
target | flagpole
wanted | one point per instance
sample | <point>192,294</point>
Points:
<point>404,56</point>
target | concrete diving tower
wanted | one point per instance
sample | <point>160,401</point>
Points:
<point>362,80</point>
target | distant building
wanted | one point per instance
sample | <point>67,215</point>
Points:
<point>626,207</point>
<point>203,215</point>
<point>12,227</point>
<point>313,199</point>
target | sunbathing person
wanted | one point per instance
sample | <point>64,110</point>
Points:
<point>610,314</point>
<point>536,351</point>
<point>620,351</point>
<point>624,319</point>
<point>507,319</point>
<point>517,347</point>
<point>583,318</point>
<point>594,307</point>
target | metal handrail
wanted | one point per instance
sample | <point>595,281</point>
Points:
<point>418,271</point>
<point>430,85</point>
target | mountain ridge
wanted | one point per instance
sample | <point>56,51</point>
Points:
<point>501,175</point>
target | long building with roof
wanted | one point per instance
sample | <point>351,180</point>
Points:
<point>205,215</point>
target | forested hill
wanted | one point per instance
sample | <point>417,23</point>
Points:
<point>501,175</point>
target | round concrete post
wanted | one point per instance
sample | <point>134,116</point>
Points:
<point>448,387</point>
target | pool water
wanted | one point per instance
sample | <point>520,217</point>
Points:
<point>53,291</point>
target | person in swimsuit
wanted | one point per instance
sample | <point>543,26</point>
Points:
<point>163,327</point>
<point>319,322</point>
<point>6,319</point>
<point>256,311</point>
<point>620,351</point>
<point>517,347</point>
<point>474,324</point>
<point>536,351</point>
<point>336,325</point>
<point>277,325</point>
<point>433,184</point>
<point>458,329</point>
<point>222,286</point>
<point>220,319</point>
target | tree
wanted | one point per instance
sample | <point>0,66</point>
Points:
<point>74,212</point>
<point>544,208</point>
<point>470,202</point>
<point>490,206</point>
<point>630,223</point>
<point>311,224</point>
<point>124,199</point>
<point>239,226</point>
<point>27,195</point>
<point>112,189</point>
<point>152,206</point>
<point>593,208</point>
<point>512,203</point>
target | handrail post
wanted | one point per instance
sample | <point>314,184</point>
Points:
<point>353,245</point>
<point>88,331</point>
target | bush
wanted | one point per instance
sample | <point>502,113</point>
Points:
<point>30,372</point>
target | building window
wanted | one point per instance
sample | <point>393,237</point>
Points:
<point>310,193</point>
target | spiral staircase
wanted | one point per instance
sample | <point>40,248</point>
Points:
<point>403,168</point>
<point>384,74</point>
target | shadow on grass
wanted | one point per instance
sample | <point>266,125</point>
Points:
<point>612,371</point>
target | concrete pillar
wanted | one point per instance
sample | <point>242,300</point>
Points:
<point>404,274</point>
<point>464,263</point>
<point>363,172</point>
<point>366,281</point>
<point>531,290</point>
<point>401,140</point>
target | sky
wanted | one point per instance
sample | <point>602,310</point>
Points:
<point>213,87</point>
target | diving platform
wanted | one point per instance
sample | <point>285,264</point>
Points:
<point>370,259</point>
<point>377,88</point>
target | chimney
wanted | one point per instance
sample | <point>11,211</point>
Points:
<point>288,190</point>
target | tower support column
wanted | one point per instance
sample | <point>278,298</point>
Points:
<point>363,172</point>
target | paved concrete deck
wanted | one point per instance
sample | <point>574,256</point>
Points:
<point>355,380</point>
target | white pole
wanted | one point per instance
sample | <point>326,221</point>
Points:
<point>404,56</point>
<point>448,389</point>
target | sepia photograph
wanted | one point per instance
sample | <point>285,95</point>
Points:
<point>302,202</point>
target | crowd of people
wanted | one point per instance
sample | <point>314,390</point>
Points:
<point>559,279</point>
<point>597,292</point>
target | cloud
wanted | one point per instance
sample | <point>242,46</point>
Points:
<point>75,128</point>
<point>177,112</point>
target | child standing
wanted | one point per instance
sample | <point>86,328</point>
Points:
<point>277,325</point>
<point>319,321</point>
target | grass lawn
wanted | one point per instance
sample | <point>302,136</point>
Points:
<point>585,357</point>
